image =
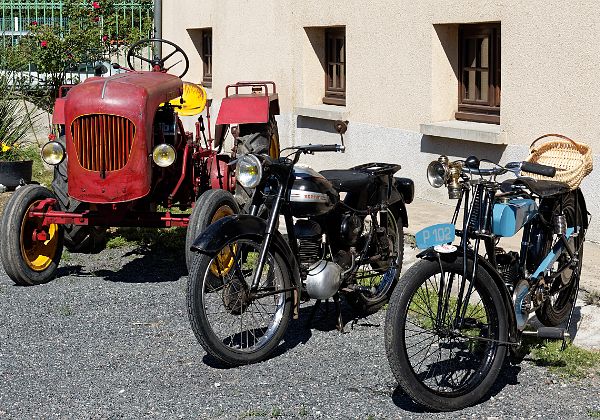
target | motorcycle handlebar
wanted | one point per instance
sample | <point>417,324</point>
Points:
<point>322,148</point>
<point>536,168</point>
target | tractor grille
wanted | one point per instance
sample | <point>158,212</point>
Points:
<point>102,142</point>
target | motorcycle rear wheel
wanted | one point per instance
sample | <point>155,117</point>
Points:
<point>555,310</point>
<point>231,325</point>
<point>376,281</point>
<point>438,363</point>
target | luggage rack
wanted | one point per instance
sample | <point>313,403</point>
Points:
<point>376,168</point>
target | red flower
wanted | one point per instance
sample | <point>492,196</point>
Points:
<point>95,5</point>
<point>96,19</point>
<point>104,38</point>
<point>34,23</point>
<point>51,136</point>
<point>44,44</point>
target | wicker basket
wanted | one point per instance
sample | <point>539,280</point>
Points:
<point>573,160</point>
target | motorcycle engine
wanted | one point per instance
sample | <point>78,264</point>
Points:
<point>351,227</point>
<point>322,278</point>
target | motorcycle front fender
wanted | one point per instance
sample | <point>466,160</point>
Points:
<point>244,226</point>
<point>430,254</point>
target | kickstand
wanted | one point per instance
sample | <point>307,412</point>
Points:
<point>338,312</point>
<point>313,312</point>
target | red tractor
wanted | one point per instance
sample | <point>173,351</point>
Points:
<point>125,160</point>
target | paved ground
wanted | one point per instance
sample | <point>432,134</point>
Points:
<point>110,339</point>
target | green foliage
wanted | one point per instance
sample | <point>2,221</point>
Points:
<point>15,122</point>
<point>592,298</point>
<point>573,362</point>
<point>91,31</point>
<point>171,239</point>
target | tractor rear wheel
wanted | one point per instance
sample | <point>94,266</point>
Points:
<point>210,207</point>
<point>266,143</point>
<point>84,239</point>
<point>30,251</point>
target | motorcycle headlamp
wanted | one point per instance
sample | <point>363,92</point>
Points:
<point>437,174</point>
<point>164,155</point>
<point>53,153</point>
<point>248,171</point>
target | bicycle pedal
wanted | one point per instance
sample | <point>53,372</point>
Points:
<point>550,333</point>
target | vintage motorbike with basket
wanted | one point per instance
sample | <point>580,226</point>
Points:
<point>247,279</point>
<point>460,308</point>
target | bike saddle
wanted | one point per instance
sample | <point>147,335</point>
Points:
<point>347,180</point>
<point>542,188</point>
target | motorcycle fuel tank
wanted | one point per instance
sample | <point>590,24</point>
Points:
<point>311,194</point>
<point>510,217</point>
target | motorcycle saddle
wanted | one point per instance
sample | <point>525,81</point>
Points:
<point>348,180</point>
<point>542,188</point>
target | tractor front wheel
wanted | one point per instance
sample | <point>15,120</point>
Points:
<point>30,251</point>
<point>210,207</point>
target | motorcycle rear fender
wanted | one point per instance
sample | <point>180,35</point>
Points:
<point>430,254</point>
<point>244,226</point>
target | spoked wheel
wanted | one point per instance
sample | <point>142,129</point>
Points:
<point>556,309</point>
<point>375,280</point>
<point>439,361</point>
<point>30,251</point>
<point>210,207</point>
<point>231,322</point>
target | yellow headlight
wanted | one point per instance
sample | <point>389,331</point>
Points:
<point>164,155</point>
<point>53,153</point>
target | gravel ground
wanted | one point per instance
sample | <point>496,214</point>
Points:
<point>110,339</point>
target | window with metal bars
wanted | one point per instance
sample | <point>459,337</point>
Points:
<point>335,66</point>
<point>479,68</point>
<point>207,57</point>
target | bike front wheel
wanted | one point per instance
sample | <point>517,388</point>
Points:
<point>233,323</point>
<point>445,334</point>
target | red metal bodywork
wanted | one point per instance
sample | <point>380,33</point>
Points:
<point>247,108</point>
<point>135,96</point>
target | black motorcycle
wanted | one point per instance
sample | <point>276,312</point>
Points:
<point>247,279</point>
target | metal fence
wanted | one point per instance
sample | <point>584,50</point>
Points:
<point>17,15</point>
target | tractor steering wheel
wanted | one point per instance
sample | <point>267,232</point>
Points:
<point>157,62</point>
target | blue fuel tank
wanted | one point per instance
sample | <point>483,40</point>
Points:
<point>510,217</point>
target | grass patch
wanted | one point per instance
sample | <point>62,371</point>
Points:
<point>592,298</point>
<point>170,239</point>
<point>573,362</point>
<point>595,414</point>
<point>409,239</point>
<point>65,310</point>
<point>303,412</point>
<point>39,172</point>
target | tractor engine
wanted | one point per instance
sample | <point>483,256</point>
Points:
<point>109,129</point>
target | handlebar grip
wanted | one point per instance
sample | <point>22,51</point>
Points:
<point>536,168</point>
<point>324,148</point>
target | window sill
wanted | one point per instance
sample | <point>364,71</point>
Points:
<point>466,130</point>
<point>324,112</point>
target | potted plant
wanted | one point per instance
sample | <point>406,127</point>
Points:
<point>15,155</point>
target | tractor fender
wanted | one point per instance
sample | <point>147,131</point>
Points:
<point>513,335</point>
<point>244,226</point>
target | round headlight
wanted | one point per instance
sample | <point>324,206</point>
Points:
<point>248,171</point>
<point>53,153</point>
<point>164,155</point>
<point>436,174</point>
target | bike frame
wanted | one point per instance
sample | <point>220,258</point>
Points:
<point>476,227</point>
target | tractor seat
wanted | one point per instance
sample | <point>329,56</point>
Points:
<point>542,188</point>
<point>348,180</point>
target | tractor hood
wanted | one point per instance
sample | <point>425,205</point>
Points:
<point>109,129</point>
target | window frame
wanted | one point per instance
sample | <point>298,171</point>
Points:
<point>334,95</point>
<point>477,110</point>
<point>206,56</point>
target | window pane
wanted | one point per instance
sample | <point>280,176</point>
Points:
<point>471,53</point>
<point>483,86</point>
<point>485,52</point>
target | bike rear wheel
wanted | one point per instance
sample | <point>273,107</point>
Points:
<point>231,323</point>
<point>375,280</point>
<point>438,361</point>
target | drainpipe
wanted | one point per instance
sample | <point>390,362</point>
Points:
<point>158,26</point>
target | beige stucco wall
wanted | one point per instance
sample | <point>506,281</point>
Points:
<point>401,72</point>
<point>398,73</point>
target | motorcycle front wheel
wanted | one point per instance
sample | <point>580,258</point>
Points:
<point>443,361</point>
<point>232,323</point>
